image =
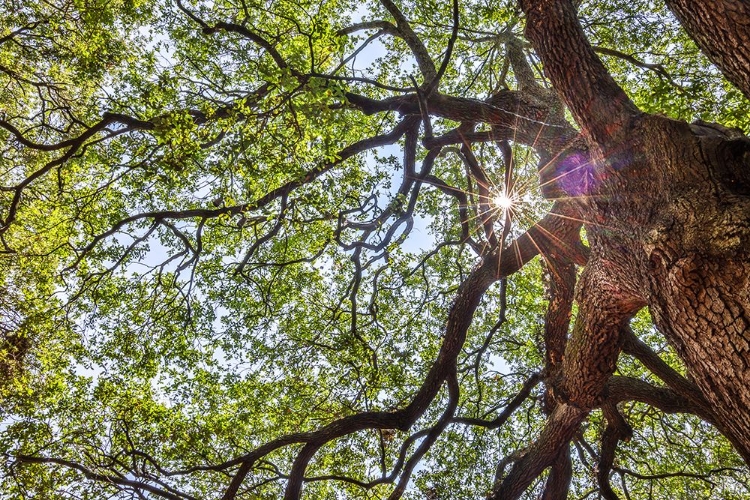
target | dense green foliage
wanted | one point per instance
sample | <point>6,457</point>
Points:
<point>196,261</point>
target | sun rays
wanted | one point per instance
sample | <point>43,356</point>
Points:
<point>504,201</point>
<point>500,206</point>
<point>512,185</point>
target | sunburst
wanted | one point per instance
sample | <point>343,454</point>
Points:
<point>504,201</point>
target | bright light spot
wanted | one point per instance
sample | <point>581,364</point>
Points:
<point>503,201</point>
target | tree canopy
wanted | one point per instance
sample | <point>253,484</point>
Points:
<point>334,249</point>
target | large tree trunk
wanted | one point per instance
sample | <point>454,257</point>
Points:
<point>670,212</point>
<point>667,211</point>
<point>697,271</point>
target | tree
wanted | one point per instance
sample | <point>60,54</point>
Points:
<point>284,249</point>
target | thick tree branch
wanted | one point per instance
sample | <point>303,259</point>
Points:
<point>558,432</point>
<point>380,25</point>
<point>460,316</point>
<point>560,476</point>
<point>431,437</point>
<point>512,114</point>
<point>721,28</point>
<point>620,389</point>
<point>424,61</point>
<point>561,275</point>
<point>598,104</point>
<point>468,296</point>
<point>589,361</point>
<point>521,67</point>
<point>561,279</point>
<point>635,347</point>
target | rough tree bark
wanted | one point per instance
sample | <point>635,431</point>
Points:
<point>721,28</point>
<point>667,211</point>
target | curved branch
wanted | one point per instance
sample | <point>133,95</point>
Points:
<point>29,27</point>
<point>448,51</point>
<point>617,430</point>
<point>468,296</point>
<point>513,115</point>
<point>110,479</point>
<point>635,347</point>
<point>432,436</point>
<point>460,316</point>
<point>238,29</point>
<point>424,61</point>
<point>463,212</point>
<point>558,432</point>
<point>107,119</point>
<point>511,407</point>
<point>381,25</point>
<point>250,35</point>
<point>620,389</point>
<point>663,475</point>
<point>265,200</point>
<point>656,68</point>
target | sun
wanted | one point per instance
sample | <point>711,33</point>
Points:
<point>503,201</point>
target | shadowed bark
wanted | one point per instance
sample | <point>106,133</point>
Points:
<point>721,28</point>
